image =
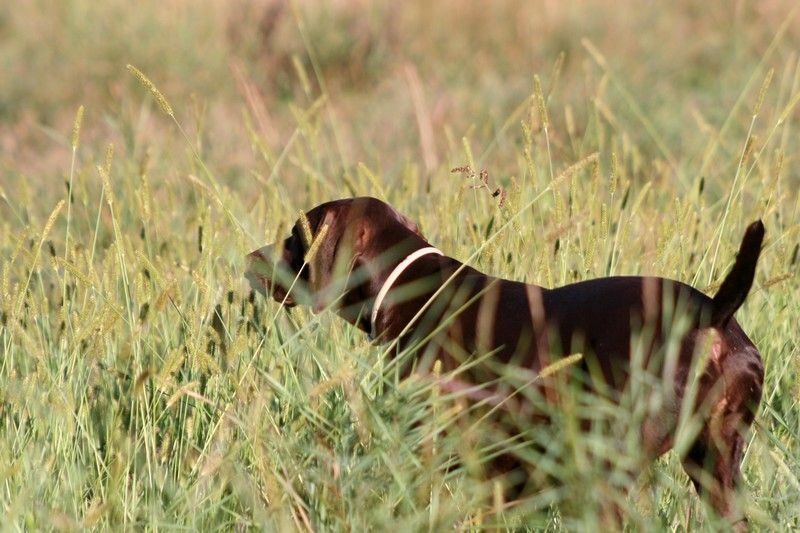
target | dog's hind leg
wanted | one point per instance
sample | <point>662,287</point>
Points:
<point>714,460</point>
<point>713,464</point>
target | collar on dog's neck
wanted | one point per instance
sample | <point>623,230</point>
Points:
<point>392,278</point>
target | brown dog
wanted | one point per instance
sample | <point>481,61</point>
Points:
<point>373,266</point>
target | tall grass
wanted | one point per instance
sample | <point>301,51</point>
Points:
<point>141,385</point>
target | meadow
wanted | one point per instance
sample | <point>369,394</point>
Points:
<point>144,151</point>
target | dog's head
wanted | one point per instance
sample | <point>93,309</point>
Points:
<point>342,263</point>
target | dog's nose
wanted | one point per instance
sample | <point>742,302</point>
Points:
<point>260,258</point>
<point>257,266</point>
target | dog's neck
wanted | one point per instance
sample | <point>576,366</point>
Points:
<point>390,281</point>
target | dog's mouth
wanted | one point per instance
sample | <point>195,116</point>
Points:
<point>260,273</point>
<point>263,285</point>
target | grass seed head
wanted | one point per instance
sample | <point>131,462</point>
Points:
<point>51,220</point>
<point>541,108</point>
<point>466,170</point>
<point>109,158</point>
<point>549,370</point>
<point>763,91</point>
<point>105,174</point>
<point>5,284</point>
<point>144,199</point>
<point>315,245</point>
<point>150,86</point>
<point>308,236</point>
<point>279,232</point>
<point>76,128</point>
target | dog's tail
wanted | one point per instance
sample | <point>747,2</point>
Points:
<point>736,285</point>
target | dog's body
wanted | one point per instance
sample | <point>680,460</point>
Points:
<point>452,312</point>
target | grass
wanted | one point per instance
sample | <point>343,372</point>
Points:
<point>142,387</point>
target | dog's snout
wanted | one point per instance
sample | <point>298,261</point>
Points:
<point>263,254</point>
<point>257,267</point>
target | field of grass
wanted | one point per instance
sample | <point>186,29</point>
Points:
<point>142,386</point>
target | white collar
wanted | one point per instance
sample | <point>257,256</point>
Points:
<point>392,278</point>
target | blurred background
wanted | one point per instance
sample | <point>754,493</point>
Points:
<point>403,82</point>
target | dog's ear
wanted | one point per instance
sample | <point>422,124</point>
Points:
<point>322,257</point>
